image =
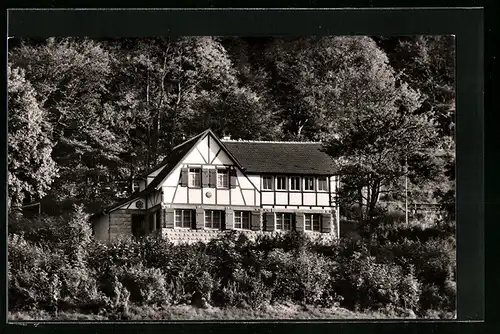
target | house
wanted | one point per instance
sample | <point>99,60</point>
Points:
<point>208,185</point>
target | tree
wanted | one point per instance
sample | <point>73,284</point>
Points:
<point>173,88</point>
<point>69,77</point>
<point>427,63</point>
<point>314,80</point>
<point>31,169</point>
<point>381,139</point>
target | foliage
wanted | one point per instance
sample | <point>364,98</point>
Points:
<point>31,169</point>
<point>99,112</point>
<point>428,64</point>
<point>147,286</point>
<point>113,108</point>
<point>70,78</point>
<point>367,284</point>
<point>396,270</point>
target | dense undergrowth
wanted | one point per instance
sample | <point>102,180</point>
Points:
<point>55,265</point>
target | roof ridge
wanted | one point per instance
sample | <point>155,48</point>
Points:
<point>269,141</point>
<point>190,139</point>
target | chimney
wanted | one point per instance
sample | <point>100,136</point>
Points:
<point>226,137</point>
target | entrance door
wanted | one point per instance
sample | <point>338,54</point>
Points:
<point>138,229</point>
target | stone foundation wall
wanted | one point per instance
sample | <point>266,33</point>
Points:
<point>189,236</point>
<point>120,225</point>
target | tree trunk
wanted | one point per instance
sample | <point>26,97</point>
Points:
<point>373,194</point>
<point>360,196</point>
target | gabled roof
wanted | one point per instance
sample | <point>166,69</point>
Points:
<point>171,162</point>
<point>181,151</point>
<point>282,157</point>
<point>251,156</point>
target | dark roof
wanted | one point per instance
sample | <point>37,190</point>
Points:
<point>282,157</point>
<point>174,158</point>
<point>132,197</point>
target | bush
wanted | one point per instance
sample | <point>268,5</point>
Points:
<point>433,260</point>
<point>435,297</point>
<point>190,271</point>
<point>80,290</point>
<point>147,286</point>
<point>366,284</point>
<point>394,269</point>
<point>289,241</point>
<point>301,277</point>
<point>245,290</point>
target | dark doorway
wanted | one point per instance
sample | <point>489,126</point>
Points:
<point>137,226</point>
<point>158,219</point>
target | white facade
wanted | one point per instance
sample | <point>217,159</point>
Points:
<point>199,183</point>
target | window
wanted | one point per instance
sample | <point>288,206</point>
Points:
<point>135,185</point>
<point>194,177</point>
<point>312,222</point>
<point>183,218</point>
<point>283,221</point>
<point>242,220</point>
<point>309,183</point>
<point>322,183</point>
<point>295,183</point>
<point>213,218</point>
<point>267,183</point>
<point>222,178</point>
<point>280,183</point>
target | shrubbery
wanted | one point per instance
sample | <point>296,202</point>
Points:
<point>396,274</point>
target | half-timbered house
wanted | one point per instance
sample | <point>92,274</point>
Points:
<point>207,186</point>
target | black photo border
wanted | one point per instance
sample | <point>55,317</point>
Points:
<point>465,23</point>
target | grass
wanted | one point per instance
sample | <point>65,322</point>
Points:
<point>187,312</point>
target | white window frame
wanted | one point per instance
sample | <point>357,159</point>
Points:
<point>239,220</point>
<point>183,213</point>
<point>194,175</point>
<point>220,182</point>
<point>318,183</point>
<point>276,183</point>
<point>264,183</point>
<point>136,185</point>
<point>280,220</point>
<point>313,183</point>
<point>210,214</point>
<point>292,183</point>
<point>311,218</point>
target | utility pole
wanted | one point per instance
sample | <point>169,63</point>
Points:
<point>406,189</point>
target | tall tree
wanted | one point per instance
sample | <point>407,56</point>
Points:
<point>314,80</point>
<point>427,63</point>
<point>377,137</point>
<point>31,169</point>
<point>173,88</point>
<point>70,77</point>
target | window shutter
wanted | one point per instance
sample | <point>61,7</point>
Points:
<point>169,222</point>
<point>212,178</point>
<point>232,177</point>
<point>326,226</point>
<point>229,220</point>
<point>184,177</point>
<point>269,221</point>
<point>200,218</point>
<point>255,221</point>
<point>299,222</point>
<point>204,178</point>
